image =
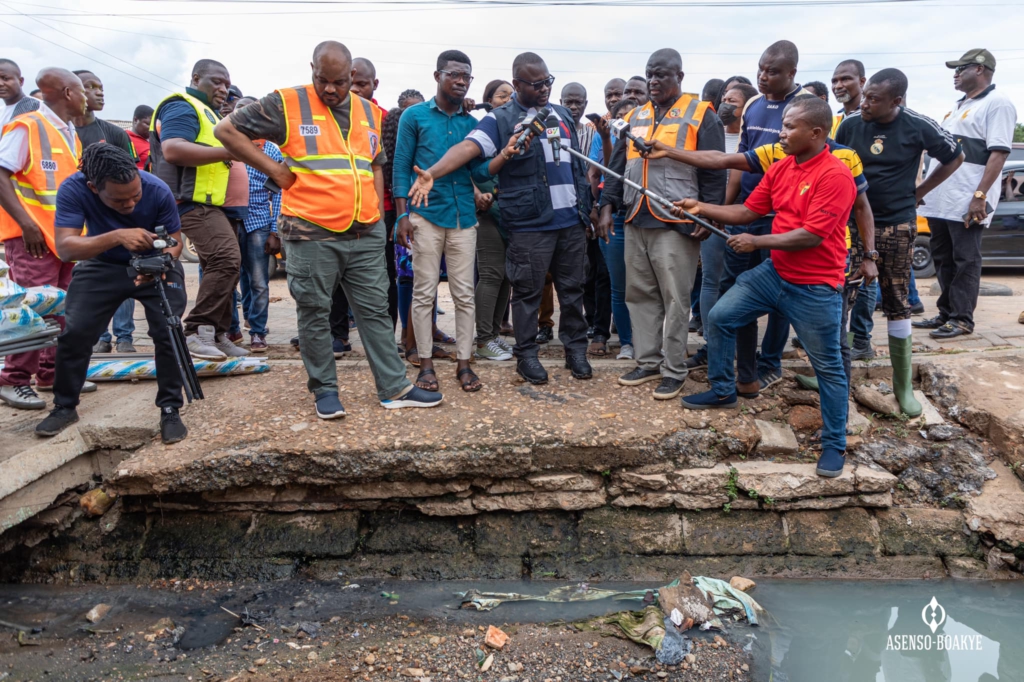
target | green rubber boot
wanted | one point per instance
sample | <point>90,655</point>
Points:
<point>900,354</point>
<point>806,382</point>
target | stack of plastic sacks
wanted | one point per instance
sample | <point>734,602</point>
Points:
<point>22,310</point>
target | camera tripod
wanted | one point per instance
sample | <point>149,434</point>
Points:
<point>181,355</point>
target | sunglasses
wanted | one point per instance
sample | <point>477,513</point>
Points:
<point>537,85</point>
<point>458,76</point>
<point>960,69</point>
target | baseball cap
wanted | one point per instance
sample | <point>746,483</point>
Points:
<point>975,56</point>
<point>235,93</point>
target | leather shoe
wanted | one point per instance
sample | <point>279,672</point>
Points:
<point>930,323</point>
<point>949,331</point>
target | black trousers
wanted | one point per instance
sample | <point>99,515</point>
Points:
<point>339,302</point>
<point>530,256</point>
<point>956,250</point>
<point>597,293</point>
<point>95,292</point>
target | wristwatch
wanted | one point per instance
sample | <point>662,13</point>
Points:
<point>871,255</point>
<point>980,195</point>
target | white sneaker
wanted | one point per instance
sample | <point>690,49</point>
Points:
<point>504,344</point>
<point>625,353</point>
<point>493,351</point>
<point>227,346</point>
<point>202,345</point>
<point>21,397</point>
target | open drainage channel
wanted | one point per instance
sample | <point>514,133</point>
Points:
<point>817,630</point>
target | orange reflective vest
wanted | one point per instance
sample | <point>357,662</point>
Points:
<point>665,177</point>
<point>333,176</point>
<point>50,161</point>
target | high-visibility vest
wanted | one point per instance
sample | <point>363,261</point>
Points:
<point>207,184</point>
<point>668,178</point>
<point>51,160</point>
<point>333,177</point>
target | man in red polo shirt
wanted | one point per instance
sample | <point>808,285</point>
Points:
<point>811,193</point>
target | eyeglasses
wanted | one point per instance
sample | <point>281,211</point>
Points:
<point>960,69</point>
<point>458,76</point>
<point>537,85</point>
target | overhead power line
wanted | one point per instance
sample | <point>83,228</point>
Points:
<point>80,54</point>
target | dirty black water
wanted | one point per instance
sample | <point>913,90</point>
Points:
<point>845,631</point>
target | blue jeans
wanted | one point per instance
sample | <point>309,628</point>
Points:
<point>614,253</point>
<point>123,322</point>
<point>749,366</point>
<point>712,263</point>
<point>254,281</point>
<point>815,312</point>
<point>862,312</point>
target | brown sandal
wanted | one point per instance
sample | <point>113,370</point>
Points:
<point>468,383</point>
<point>598,349</point>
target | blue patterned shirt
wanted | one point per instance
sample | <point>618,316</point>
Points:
<point>264,207</point>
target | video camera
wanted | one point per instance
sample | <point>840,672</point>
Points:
<point>155,264</point>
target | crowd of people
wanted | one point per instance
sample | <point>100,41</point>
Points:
<point>373,207</point>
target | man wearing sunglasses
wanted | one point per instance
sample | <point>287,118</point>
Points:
<point>543,205</point>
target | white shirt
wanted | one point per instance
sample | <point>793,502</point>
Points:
<point>14,145</point>
<point>21,106</point>
<point>981,125</point>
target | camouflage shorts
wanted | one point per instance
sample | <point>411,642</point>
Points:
<point>895,246</point>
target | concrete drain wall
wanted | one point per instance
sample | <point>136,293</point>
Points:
<point>132,543</point>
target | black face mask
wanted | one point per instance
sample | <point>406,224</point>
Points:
<point>727,112</point>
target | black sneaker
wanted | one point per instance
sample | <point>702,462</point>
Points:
<point>949,331</point>
<point>531,370</point>
<point>698,359</point>
<point>172,429</point>
<point>930,323</point>
<point>639,376</point>
<point>579,366</point>
<point>769,378</point>
<point>59,419</point>
<point>917,309</point>
<point>694,325</point>
<point>545,334</point>
<point>668,388</point>
<point>862,351</point>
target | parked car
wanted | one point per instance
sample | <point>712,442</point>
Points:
<point>1002,243</point>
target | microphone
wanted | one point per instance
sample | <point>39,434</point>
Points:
<point>533,125</point>
<point>622,128</point>
<point>555,137</point>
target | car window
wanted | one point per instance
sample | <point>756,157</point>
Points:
<point>1013,186</point>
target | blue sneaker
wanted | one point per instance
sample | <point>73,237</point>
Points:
<point>831,462</point>
<point>417,397</point>
<point>709,400</point>
<point>341,347</point>
<point>329,407</point>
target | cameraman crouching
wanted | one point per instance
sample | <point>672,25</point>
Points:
<point>120,207</point>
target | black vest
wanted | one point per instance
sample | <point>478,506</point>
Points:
<point>524,200</point>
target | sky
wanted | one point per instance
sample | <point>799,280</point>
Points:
<point>144,49</point>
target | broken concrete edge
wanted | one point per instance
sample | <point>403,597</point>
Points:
<point>1008,438</point>
<point>605,543</point>
<point>743,484</point>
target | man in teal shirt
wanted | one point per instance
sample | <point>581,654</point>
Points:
<point>445,224</point>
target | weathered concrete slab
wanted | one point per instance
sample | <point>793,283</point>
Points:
<point>999,510</point>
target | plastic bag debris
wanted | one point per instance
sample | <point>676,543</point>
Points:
<point>45,300</point>
<point>19,321</point>
<point>674,646</point>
